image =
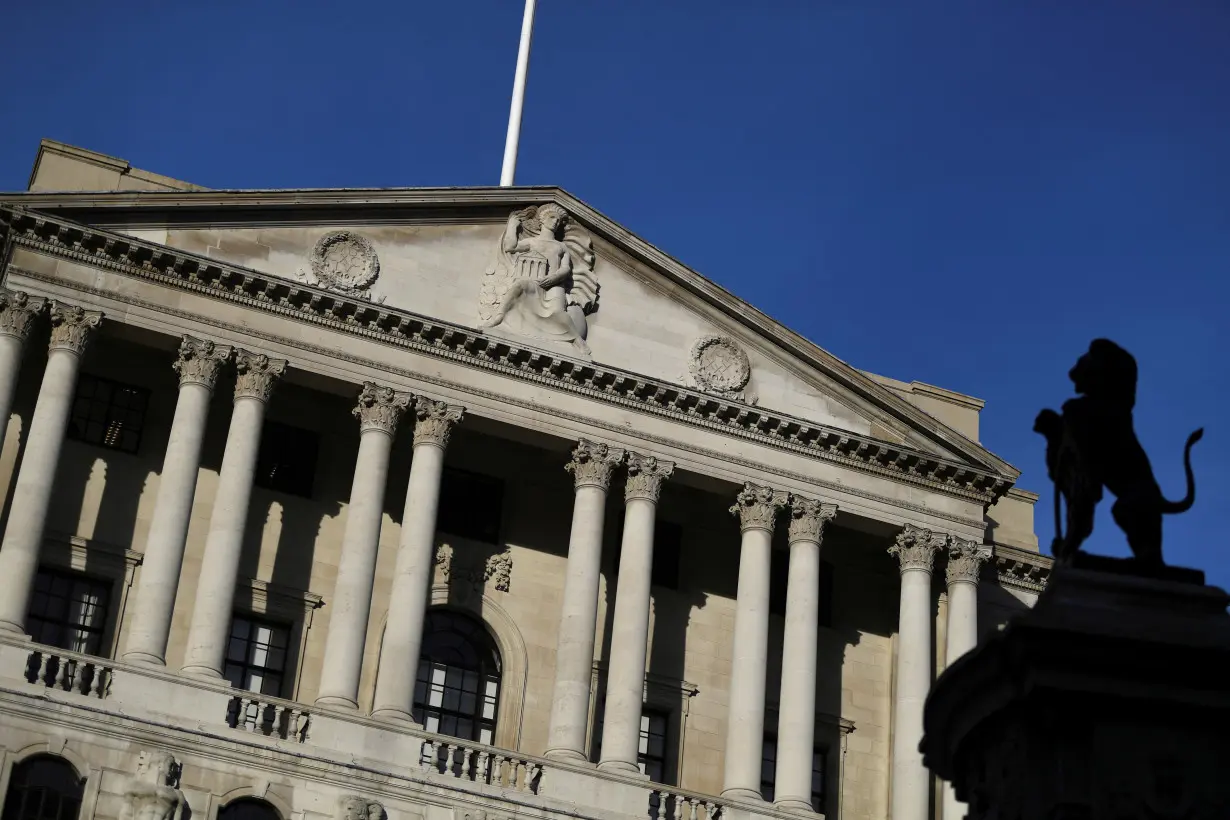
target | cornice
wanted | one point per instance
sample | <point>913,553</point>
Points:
<point>1020,568</point>
<point>146,260</point>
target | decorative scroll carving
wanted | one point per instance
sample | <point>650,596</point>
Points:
<point>808,518</point>
<point>344,262</point>
<point>645,477</point>
<point>593,462</point>
<point>496,568</point>
<point>71,326</point>
<point>380,408</point>
<point>200,361</point>
<point>965,560</point>
<point>542,282</point>
<point>718,365</point>
<point>354,807</point>
<point>434,421</point>
<point>257,375</point>
<point>153,794</point>
<point>915,547</point>
<point>757,506</point>
<point>18,311</point>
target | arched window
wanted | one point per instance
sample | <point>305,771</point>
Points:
<point>43,787</point>
<point>248,808</point>
<point>458,684</point>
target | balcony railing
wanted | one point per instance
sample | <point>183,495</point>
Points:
<point>481,764</point>
<point>270,717</point>
<point>670,803</point>
<point>69,672</point>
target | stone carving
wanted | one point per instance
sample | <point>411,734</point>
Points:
<point>915,548</point>
<point>153,794</point>
<point>71,326</point>
<point>808,518</point>
<point>434,421</point>
<point>1093,445</point>
<point>200,361</point>
<point>380,408</point>
<point>718,365</point>
<point>344,262</point>
<point>257,374</point>
<point>497,568</point>
<point>645,477</point>
<point>542,282</point>
<point>354,807</point>
<point>592,463</point>
<point>444,560</point>
<point>757,506</point>
<point>18,311</point>
<point>965,560</point>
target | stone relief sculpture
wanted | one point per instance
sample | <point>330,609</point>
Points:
<point>153,793</point>
<point>497,568</point>
<point>719,365</point>
<point>345,262</point>
<point>353,807</point>
<point>541,283</point>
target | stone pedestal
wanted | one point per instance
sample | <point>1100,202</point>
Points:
<point>1110,700</point>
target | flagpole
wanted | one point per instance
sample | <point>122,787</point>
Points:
<point>518,97</point>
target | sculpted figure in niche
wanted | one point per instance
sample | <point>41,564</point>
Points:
<point>153,794</point>
<point>542,282</point>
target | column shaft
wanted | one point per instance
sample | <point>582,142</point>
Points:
<point>911,790</point>
<point>23,538</point>
<point>592,465</point>
<point>403,633</point>
<point>17,314</point>
<point>379,410</point>
<point>965,560</point>
<point>625,684</point>
<point>154,602</point>
<point>213,608</point>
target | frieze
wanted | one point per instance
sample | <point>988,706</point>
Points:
<point>276,295</point>
<point>200,361</point>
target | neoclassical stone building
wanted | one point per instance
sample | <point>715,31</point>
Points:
<point>435,504</point>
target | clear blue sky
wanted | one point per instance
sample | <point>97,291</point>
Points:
<point>962,193</point>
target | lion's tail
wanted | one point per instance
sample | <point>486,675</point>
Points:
<point>1190,498</point>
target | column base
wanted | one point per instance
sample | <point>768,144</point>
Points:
<point>201,672</point>
<point>337,702</point>
<point>13,629</point>
<point>792,804</point>
<point>567,756</point>
<point>143,658</point>
<point>743,794</point>
<point>396,716</point>
<point>623,767</point>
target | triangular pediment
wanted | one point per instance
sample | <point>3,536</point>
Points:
<point>434,252</point>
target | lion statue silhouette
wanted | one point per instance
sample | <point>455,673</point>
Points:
<point>1093,445</point>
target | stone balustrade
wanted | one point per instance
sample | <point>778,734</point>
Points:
<point>453,757</point>
<point>669,803</point>
<point>68,672</point>
<point>267,716</point>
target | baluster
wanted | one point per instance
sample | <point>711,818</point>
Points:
<point>531,780</point>
<point>450,752</point>
<point>497,778</point>
<point>44,668</point>
<point>429,755</point>
<point>693,808</point>
<point>61,672</point>
<point>303,724</point>
<point>662,796</point>
<point>467,756</point>
<point>252,714</point>
<point>711,811</point>
<point>98,684</point>
<point>680,804</point>
<point>480,773</point>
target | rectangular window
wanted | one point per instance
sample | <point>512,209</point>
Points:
<point>667,544</point>
<point>471,505</point>
<point>68,610</point>
<point>651,748</point>
<point>287,459</point>
<point>768,773</point>
<point>108,414</point>
<point>256,655</point>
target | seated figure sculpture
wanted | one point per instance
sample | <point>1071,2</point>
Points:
<point>542,282</point>
<point>1093,445</point>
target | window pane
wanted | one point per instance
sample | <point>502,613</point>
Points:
<point>461,659</point>
<point>108,414</point>
<point>68,610</point>
<point>250,664</point>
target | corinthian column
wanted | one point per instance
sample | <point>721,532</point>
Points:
<point>625,684</point>
<point>591,467</point>
<point>71,328</point>
<point>215,592</point>
<point>965,559</point>
<point>17,314</point>
<point>198,366</point>
<point>378,411</point>
<point>757,508</point>
<point>403,634</point>
<point>915,549</point>
<point>796,727</point>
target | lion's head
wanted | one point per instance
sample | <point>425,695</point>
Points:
<point>1106,373</point>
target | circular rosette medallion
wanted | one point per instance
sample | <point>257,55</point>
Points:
<point>345,261</point>
<point>720,366</point>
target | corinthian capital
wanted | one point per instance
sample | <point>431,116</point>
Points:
<point>808,517</point>
<point>200,361</point>
<point>645,477</point>
<point>965,559</point>
<point>18,311</point>
<point>71,326</point>
<point>757,506</point>
<point>915,547</point>
<point>257,374</point>
<point>592,463</point>
<point>434,421</point>
<point>380,408</point>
